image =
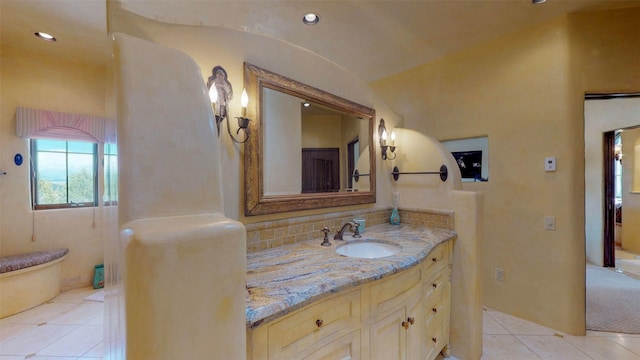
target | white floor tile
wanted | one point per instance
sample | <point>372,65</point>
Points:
<point>505,347</point>
<point>551,348</point>
<point>599,347</point>
<point>75,343</point>
<point>40,314</point>
<point>630,343</point>
<point>517,326</point>
<point>96,351</point>
<point>491,326</point>
<point>32,341</point>
<point>611,334</point>
<point>81,315</point>
<point>7,330</point>
<point>75,295</point>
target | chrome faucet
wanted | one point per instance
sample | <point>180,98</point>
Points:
<point>350,224</point>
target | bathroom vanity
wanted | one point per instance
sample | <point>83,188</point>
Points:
<point>305,301</point>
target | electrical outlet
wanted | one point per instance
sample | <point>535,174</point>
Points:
<point>396,199</point>
<point>550,163</point>
<point>549,222</point>
<point>499,274</point>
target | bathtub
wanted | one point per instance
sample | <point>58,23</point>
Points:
<point>30,279</point>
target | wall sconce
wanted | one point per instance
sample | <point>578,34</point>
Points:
<point>220,93</point>
<point>384,148</point>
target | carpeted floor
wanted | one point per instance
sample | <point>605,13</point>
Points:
<point>609,312</point>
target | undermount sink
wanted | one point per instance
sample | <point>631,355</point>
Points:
<point>368,249</point>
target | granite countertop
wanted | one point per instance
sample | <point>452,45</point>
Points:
<point>286,278</point>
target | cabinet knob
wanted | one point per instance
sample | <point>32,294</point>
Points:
<point>435,340</point>
<point>435,310</point>
<point>434,259</point>
<point>319,323</point>
<point>411,320</point>
<point>434,285</point>
<point>405,324</point>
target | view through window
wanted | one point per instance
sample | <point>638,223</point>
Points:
<point>64,173</point>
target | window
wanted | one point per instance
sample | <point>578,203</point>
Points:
<point>110,165</point>
<point>64,174</point>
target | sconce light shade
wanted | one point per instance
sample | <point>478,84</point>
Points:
<point>220,94</point>
<point>213,94</point>
<point>244,98</point>
<point>384,148</point>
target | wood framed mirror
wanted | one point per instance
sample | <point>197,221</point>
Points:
<point>307,149</point>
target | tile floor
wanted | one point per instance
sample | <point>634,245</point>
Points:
<point>507,337</point>
<point>69,328</point>
<point>628,263</point>
<point>64,328</point>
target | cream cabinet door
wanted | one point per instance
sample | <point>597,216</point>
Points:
<point>400,335</point>
<point>416,346</point>
<point>389,337</point>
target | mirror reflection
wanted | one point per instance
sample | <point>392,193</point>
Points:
<point>323,146</point>
<point>310,149</point>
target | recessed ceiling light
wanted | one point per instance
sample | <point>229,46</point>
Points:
<point>44,36</point>
<point>310,19</point>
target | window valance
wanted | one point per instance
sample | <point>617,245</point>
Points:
<point>36,123</point>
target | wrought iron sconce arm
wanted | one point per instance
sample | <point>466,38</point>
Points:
<point>388,152</point>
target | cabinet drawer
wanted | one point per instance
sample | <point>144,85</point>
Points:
<point>394,291</point>
<point>437,307</point>
<point>437,336</point>
<point>438,258</point>
<point>331,317</point>
<point>346,347</point>
<point>436,283</point>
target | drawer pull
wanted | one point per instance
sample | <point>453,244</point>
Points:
<point>435,340</point>
<point>405,324</point>
<point>319,323</point>
<point>434,285</point>
<point>435,310</point>
<point>434,259</point>
<point>411,320</point>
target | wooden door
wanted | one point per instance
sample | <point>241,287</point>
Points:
<point>609,200</point>
<point>320,170</point>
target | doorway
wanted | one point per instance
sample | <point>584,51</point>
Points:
<point>604,113</point>
<point>609,205</point>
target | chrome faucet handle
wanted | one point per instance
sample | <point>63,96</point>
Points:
<point>325,241</point>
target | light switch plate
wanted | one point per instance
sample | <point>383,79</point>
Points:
<point>550,163</point>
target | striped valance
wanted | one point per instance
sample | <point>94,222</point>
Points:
<point>35,123</point>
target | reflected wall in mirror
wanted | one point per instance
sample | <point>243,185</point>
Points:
<point>305,148</point>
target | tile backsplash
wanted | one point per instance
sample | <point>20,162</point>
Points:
<point>270,234</point>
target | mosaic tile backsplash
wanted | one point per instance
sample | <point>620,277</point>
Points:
<point>270,234</point>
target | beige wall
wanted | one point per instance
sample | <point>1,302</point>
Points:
<point>217,46</point>
<point>525,91</point>
<point>283,177</point>
<point>39,81</point>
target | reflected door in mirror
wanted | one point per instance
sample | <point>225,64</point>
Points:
<point>320,170</point>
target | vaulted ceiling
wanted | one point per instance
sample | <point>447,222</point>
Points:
<point>373,39</point>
